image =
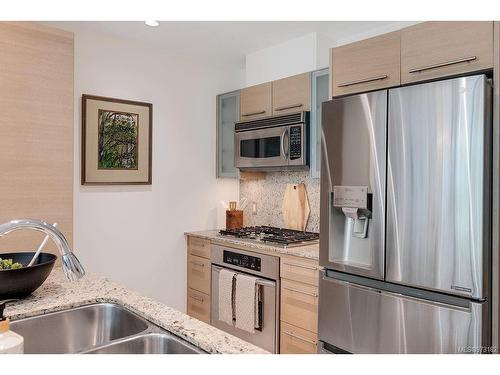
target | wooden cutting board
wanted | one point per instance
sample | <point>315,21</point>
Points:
<point>295,207</point>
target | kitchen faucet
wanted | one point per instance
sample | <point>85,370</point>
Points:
<point>72,267</point>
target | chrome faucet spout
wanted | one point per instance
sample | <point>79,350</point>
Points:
<point>72,267</point>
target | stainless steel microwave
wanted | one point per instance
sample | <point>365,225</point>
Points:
<point>273,143</point>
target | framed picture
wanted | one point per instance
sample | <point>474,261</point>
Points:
<point>116,141</point>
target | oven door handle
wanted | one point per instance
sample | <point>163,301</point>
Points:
<point>262,282</point>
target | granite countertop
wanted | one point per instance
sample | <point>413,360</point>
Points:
<point>59,294</point>
<point>306,251</point>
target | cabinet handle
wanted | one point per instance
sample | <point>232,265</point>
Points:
<point>300,291</point>
<point>440,65</point>
<point>351,83</point>
<point>199,299</point>
<point>301,266</point>
<point>300,337</point>
<point>253,113</point>
<point>288,107</point>
<point>197,263</point>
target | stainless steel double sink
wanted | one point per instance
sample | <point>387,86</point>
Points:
<point>102,328</point>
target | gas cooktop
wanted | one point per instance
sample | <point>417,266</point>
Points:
<point>275,236</point>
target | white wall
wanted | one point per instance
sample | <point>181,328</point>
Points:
<point>292,57</point>
<point>134,235</point>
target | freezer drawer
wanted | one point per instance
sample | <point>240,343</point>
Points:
<point>359,319</point>
<point>438,186</point>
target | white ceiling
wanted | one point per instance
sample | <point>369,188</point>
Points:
<point>229,42</point>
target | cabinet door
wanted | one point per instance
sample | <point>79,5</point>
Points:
<point>292,94</point>
<point>437,49</point>
<point>367,65</point>
<point>295,340</point>
<point>319,94</point>
<point>198,274</point>
<point>198,305</point>
<point>256,101</point>
<point>228,113</point>
<point>299,305</point>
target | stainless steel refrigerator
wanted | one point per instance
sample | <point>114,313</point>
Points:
<point>405,220</point>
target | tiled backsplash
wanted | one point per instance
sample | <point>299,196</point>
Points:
<point>268,193</point>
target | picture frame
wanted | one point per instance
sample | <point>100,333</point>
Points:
<point>117,141</point>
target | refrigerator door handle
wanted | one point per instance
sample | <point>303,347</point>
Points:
<point>395,294</point>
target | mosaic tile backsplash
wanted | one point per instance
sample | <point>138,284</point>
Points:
<point>268,194</point>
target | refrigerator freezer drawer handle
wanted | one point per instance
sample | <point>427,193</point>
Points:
<point>443,64</point>
<point>396,295</point>
<point>299,338</point>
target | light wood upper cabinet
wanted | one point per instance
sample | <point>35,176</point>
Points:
<point>438,49</point>
<point>256,101</point>
<point>366,65</point>
<point>292,94</point>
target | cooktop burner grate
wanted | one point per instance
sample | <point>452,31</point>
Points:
<point>280,236</point>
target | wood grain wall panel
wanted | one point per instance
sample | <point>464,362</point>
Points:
<point>36,122</point>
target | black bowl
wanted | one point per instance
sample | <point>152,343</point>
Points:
<point>21,282</point>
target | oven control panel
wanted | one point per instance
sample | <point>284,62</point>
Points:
<point>295,142</point>
<point>242,260</point>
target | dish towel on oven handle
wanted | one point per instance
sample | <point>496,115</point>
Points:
<point>226,293</point>
<point>246,303</point>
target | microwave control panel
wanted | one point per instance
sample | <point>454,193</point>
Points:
<point>242,260</point>
<point>295,142</point>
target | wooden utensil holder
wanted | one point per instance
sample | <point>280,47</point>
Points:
<point>234,219</point>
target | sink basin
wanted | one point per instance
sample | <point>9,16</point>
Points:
<point>153,343</point>
<point>77,329</point>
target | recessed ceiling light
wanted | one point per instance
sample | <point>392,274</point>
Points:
<point>152,23</point>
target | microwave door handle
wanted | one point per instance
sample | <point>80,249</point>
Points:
<point>284,150</point>
<point>282,143</point>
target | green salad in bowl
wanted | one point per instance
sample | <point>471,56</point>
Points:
<point>7,264</point>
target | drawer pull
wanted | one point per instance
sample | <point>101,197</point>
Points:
<point>300,291</point>
<point>366,80</point>
<point>196,298</point>
<point>197,263</point>
<point>253,113</point>
<point>300,337</point>
<point>301,266</point>
<point>288,107</point>
<point>440,65</point>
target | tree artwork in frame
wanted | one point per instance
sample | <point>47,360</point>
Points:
<point>116,141</point>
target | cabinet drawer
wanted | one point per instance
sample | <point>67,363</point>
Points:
<point>292,94</point>
<point>437,49</point>
<point>198,274</point>
<point>301,270</point>
<point>256,101</point>
<point>294,340</point>
<point>370,64</point>
<point>198,305</point>
<point>299,305</point>
<point>199,247</point>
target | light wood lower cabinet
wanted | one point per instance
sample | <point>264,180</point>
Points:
<point>199,247</point>
<point>198,278</point>
<point>198,305</point>
<point>199,274</point>
<point>294,340</point>
<point>299,269</point>
<point>299,305</point>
